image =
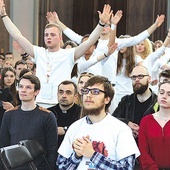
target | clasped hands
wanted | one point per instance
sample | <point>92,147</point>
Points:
<point>83,147</point>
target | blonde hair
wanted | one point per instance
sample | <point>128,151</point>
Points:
<point>50,25</point>
<point>148,49</point>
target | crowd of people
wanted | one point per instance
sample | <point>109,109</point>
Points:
<point>93,102</point>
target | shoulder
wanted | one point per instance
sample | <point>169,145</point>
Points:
<point>146,119</point>
<point>13,109</point>
<point>76,107</point>
<point>44,109</point>
<point>117,125</point>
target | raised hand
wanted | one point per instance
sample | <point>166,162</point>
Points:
<point>112,49</point>
<point>106,14</point>
<point>159,20</point>
<point>52,17</point>
<point>2,8</point>
<point>116,18</point>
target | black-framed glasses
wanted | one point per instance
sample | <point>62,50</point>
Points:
<point>140,76</point>
<point>94,91</point>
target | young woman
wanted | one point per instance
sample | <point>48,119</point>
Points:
<point>154,134</point>
<point>126,61</point>
<point>81,83</point>
<point>8,81</point>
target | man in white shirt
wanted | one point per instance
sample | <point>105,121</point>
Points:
<point>53,64</point>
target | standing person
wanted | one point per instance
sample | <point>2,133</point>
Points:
<point>109,67</point>
<point>53,61</point>
<point>126,61</point>
<point>97,141</point>
<point>66,111</point>
<point>30,121</point>
<point>154,134</point>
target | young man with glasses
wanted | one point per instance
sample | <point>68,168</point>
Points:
<point>97,140</point>
<point>132,107</point>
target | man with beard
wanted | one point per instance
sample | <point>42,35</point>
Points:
<point>132,107</point>
<point>66,111</point>
<point>97,140</point>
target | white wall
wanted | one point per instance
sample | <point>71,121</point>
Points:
<point>24,14</point>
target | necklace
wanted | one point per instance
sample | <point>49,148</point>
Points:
<point>164,119</point>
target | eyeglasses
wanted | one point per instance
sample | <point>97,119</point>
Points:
<point>140,76</point>
<point>94,91</point>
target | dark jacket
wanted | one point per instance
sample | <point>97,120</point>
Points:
<point>126,107</point>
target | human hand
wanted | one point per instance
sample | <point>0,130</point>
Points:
<point>112,49</point>
<point>83,147</point>
<point>7,105</point>
<point>159,20</point>
<point>52,17</point>
<point>2,8</point>
<point>154,82</point>
<point>61,131</point>
<point>116,18</point>
<point>17,47</point>
<point>106,14</point>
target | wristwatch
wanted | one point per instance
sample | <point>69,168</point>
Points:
<point>65,128</point>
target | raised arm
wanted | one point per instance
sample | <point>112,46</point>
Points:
<point>14,32</point>
<point>82,66</point>
<point>52,17</point>
<point>158,23</point>
<point>103,19</point>
<point>114,21</point>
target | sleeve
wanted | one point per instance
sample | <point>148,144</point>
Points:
<point>71,163</point>
<point>102,162</point>
<point>120,111</point>
<point>72,35</point>
<point>4,132</point>
<point>145,159</point>
<point>150,59</point>
<point>51,142</point>
<point>84,65</point>
<point>127,42</point>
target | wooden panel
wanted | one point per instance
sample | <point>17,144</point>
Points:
<point>141,14</point>
<point>83,16</point>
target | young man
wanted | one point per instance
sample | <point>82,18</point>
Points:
<point>19,66</point>
<point>30,121</point>
<point>53,61</point>
<point>98,140</point>
<point>132,107</point>
<point>66,111</point>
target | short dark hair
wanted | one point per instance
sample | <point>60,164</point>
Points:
<point>108,88</point>
<point>164,73</point>
<point>24,71</point>
<point>69,42</point>
<point>33,79</point>
<point>20,62</point>
<point>66,82</point>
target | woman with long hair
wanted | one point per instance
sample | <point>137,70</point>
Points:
<point>8,84</point>
<point>126,61</point>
